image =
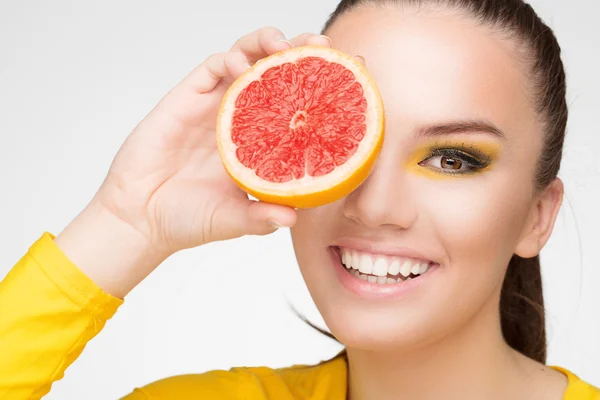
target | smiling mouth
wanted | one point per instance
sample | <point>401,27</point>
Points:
<point>382,269</point>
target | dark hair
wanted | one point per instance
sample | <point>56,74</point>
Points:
<point>522,301</point>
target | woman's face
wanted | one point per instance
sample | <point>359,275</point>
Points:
<point>451,192</point>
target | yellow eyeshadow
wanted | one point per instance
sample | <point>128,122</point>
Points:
<point>488,149</point>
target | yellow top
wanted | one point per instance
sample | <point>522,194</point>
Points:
<point>49,310</point>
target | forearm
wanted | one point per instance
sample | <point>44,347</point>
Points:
<point>109,251</point>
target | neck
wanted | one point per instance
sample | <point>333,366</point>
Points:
<point>474,362</point>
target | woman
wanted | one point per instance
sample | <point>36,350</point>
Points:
<point>462,199</point>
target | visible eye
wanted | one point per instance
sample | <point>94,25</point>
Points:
<point>454,161</point>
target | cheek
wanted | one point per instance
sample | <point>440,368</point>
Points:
<point>311,235</point>
<point>311,223</point>
<point>478,222</point>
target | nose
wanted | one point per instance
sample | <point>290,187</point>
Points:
<point>383,200</point>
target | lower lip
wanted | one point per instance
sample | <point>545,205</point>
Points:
<point>375,291</point>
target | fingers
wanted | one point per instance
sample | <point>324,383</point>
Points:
<point>360,59</point>
<point>205,77</point>
<point>310,39</point>
<point>246,51</point>
<point>261,43</point>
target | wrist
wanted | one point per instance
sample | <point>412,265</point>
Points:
<point>111,252</point>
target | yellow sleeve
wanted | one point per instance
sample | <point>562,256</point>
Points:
<point>237,383</point>
<point>49,310</point>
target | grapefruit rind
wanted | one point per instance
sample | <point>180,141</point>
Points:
<point>308,191</point>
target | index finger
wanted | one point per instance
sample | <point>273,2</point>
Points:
<point>261,43</point>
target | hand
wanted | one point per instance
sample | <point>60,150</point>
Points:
<point>167,189</point>
<point>168,181</point>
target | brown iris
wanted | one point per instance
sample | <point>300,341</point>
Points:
<point>451,163</point>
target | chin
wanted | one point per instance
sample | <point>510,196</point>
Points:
<point>379,333</point>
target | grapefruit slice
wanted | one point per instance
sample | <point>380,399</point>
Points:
<point>302,127</point>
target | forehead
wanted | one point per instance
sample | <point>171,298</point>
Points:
<point>434,66</point>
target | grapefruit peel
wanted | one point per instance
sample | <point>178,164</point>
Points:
<point>307,191</point>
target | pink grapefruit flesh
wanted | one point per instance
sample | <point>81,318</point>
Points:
<point>301,127</point>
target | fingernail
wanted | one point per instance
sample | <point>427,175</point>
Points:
<point>360,59</point>
<point>285,41</point>
<point>276,224</point>
<point>326,37</point>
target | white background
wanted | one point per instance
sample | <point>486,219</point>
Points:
<point>76,77</point>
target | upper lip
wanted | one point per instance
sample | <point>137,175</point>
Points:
<point>383,248</point>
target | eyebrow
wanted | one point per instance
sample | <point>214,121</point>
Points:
<point>475,126</point>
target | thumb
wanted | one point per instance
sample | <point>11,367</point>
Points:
<point>248,217</point>
<point>265,218</point>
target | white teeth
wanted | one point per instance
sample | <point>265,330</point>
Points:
<point>350,259</point>
<point>415,269</point>
<point>405,268</point>
<point>394,268</point>
<point>354,261</point>
<point>377,268</point>
<point>366,264</point>
<point>380,267</point>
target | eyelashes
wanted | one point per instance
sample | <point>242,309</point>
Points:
<point>453,158</point>
<point>456,161</point>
